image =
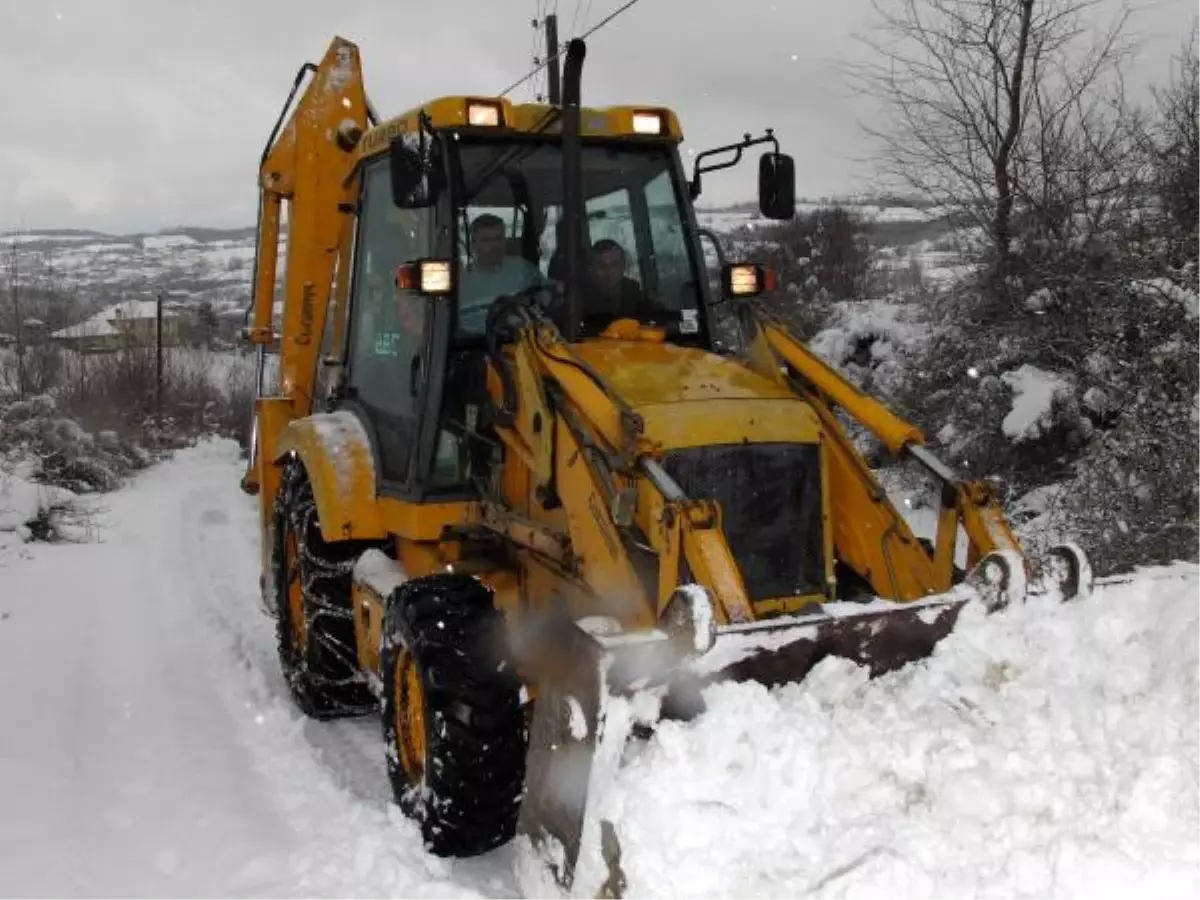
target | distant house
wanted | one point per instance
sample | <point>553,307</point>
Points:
<point>129,324</point>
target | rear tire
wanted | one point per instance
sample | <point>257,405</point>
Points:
<point>315,628</point>
<point>453,725</point>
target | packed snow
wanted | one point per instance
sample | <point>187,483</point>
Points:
<point>1047,750</point>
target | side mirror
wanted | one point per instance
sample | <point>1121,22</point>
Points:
<point>777,186</point>
<point>415,175</point>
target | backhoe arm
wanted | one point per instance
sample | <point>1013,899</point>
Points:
<point>309,167</point>
<point>305,168</point>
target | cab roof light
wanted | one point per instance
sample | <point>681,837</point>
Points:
<point>484,113</point>
<point>648,123</point>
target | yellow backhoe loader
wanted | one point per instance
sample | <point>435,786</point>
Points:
<point>508,475</point>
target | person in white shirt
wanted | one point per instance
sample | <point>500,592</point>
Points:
<point>493,273</point>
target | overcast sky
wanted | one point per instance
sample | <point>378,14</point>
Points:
<point>140,114</point>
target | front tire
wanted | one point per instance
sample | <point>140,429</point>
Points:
<point>315,628</point>
<point>452,720</point>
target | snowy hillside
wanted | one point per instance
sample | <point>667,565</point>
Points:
<point>192,265</point>
<point>150,748</point>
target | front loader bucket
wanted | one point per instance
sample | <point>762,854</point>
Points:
<point>585,712</point>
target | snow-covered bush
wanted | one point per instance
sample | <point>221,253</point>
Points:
<point>1092,382</point>
<point>826,250</point>
<point>48,447</point>
<point>200,393</point>
<point>34,512</point>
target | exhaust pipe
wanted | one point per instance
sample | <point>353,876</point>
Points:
<point>572,164</point>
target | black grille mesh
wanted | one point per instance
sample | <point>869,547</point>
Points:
<point>770,496</point>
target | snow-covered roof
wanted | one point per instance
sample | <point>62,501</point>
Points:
<point>101,323</point>
<point>133,309</point>
<point>93,327</point>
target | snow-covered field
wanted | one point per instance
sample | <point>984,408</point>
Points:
<point>149,748</point>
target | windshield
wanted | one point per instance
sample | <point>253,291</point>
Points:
<point>509,234</point>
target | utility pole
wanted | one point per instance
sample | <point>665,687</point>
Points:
<point>158,363</point>
<point>552,66</point>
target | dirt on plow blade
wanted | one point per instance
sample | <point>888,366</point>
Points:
<point>588,707</point>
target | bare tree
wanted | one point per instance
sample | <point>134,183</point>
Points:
<point>1171,140</point>
<point>982,98</point>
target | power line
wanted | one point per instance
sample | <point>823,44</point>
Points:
<point>587,11</point>
<point>551,59</point>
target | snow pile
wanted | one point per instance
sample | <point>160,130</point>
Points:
<point>1048,750</point>
<point>1034,393</point>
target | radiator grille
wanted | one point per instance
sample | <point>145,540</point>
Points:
<point>770,496</point>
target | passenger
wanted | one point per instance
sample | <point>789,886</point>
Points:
<point>610,292</point>
<point>492,274</point>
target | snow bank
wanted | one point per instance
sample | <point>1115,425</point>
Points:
<point>1048,750</point>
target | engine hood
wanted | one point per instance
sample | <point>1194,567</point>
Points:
<point>689,397</point>
<point>646,373</point>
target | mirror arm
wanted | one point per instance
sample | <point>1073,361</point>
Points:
<point>745,143</point>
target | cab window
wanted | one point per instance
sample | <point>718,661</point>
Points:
<point>388,326</point>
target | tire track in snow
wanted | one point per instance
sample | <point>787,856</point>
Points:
<point>216,542</point>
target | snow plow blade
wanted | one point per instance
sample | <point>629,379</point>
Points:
<point>597,684</point>
<point>588,707</point>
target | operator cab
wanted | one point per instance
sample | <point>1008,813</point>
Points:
<point>457,224</point>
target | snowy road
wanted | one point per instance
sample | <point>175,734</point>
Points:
<point>148,748</point>
<point>147,745</point>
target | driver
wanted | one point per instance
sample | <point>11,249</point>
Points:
<point>610,292</point>
<point>492,274</point>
